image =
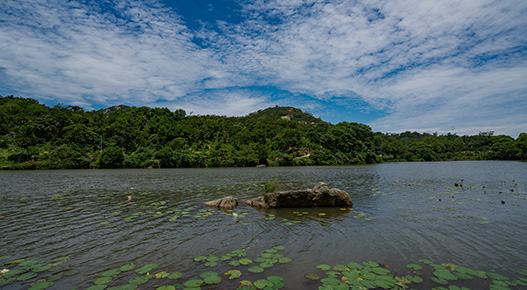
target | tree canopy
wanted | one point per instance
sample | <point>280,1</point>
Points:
<point>34,136</point>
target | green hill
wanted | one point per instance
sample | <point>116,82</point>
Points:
<point>34,136</point>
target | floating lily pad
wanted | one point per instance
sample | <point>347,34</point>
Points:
<point>213,279</point>
<point>233,274</point>
<point>330,281</point>
<point>193,283</point>
<point>439,281</point>
<point>26,276</point>
<point>111,273</point>
<point>161,275</point>
<point>211,264</point>
<point>370,264</point>
<point>167,287</point>
<point>353,265</point>
<point>312,276</point>
<point>495,276</point>
<point>245,261</point>
<point>42,268</point>
<point>284,260</point>
<point>350,274</point>
<point>139,280</point>
<point>445,275</point>
<point>200,258</point>
<point>323,267</point>
<point>102,280</point>
<point>261,284</point>
<point>256,269</point>
<point>174,276</point>
<point>414,266</point>
<point>266,264</point>
<point>340,267</point>
<point>234,263</point>
<point>41,285</point>
<point>415,279</point>
<point>14,262</point>
<point>146,268</point>
<point>127,267</point>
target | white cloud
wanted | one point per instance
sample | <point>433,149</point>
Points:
<point>431,66</point>
<point>73,52</point>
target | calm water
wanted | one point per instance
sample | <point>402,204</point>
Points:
<point>403,212</point>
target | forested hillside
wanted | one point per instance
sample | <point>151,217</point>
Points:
<point>34,136</point>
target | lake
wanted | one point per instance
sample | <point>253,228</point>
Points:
<point>71,226</point>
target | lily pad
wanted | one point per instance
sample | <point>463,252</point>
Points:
<point>323,267</point>
<point>193,283</point>
<point>261,284</point>
<point>213,279</point>
<point>233,274</point>
<point>445,275</point>
<point>245,261</point>
<point>415,279</point>
<point>330,281</point>
<point>26,276</point>
<point>41,285</point>
<point>211,264</point>
<point>14,263</point>
<point>353,265</point>
<point>146,268</point>
<point>414,266</point>
<point>312,276</point>
<point>138,280</point>
<point>42,268</point>
<point>200,258</point>
<point>256,269</point>
<point>102,280</point>
<point>127,267</point>
<point>167,287</point>
<point>174,276</point>
<point>439,281</point>
<point>111,273</point>
<point>266,264</point>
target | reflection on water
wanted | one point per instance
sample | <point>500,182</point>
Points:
<point>403,212</point>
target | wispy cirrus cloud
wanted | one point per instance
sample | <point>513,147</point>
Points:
<point>450,66</point>
<point>431,66</point>
<point>135,52</point>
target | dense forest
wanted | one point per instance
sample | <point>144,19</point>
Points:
<point>34,136</point>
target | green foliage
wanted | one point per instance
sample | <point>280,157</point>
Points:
<point>33,136</point>
<point>270,186</point>
<point>111,157</point>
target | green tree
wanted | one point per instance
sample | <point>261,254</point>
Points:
<point>111,157</point>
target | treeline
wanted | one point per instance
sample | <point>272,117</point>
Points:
<point>34,136</point>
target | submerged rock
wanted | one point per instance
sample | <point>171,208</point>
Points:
<point>226,202</point>
<point>320,196</point>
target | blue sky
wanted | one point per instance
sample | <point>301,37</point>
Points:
<point>408,65</point>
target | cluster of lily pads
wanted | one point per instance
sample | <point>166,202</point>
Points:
<point>234,259</point>
<point>40,274</point>
<point>372,275</point>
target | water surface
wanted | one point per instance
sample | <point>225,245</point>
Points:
<point>402,212</point>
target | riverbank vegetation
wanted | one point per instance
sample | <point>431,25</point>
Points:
<point>34,136</point>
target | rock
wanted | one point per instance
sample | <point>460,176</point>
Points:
<point>320,196</point>
<point>226,202</point>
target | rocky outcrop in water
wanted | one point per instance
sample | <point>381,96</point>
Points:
<point>320,196</point>
<point>226,202</point>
